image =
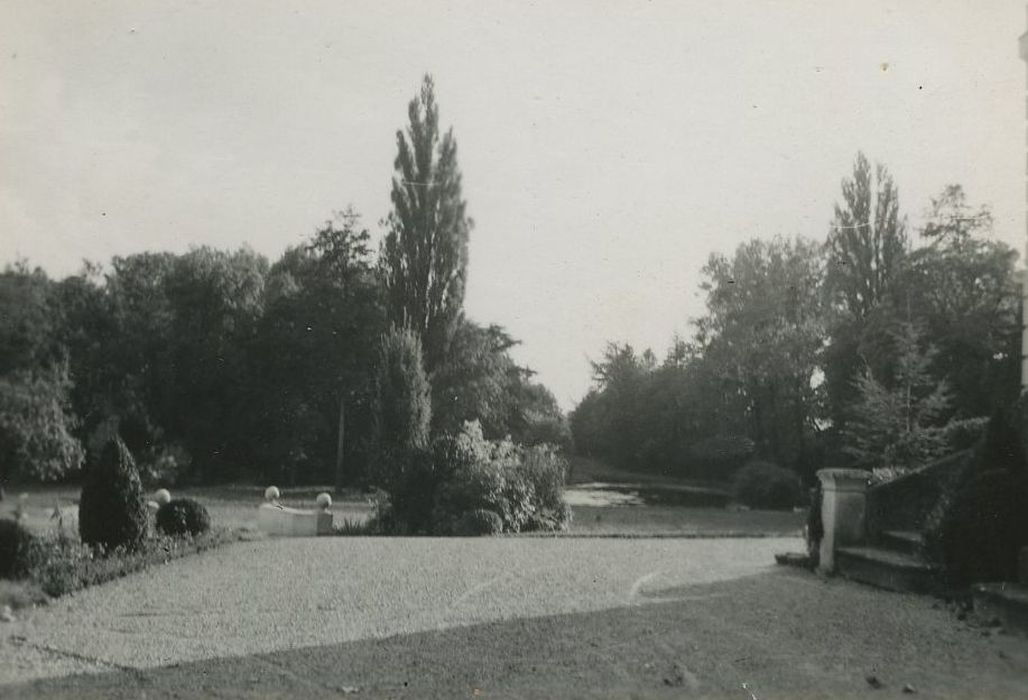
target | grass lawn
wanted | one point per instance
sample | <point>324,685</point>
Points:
<point>604,502</point>
<point>672,521</point>
<point>609,502</point>
<point>231,506</point>
<point>234,507</point>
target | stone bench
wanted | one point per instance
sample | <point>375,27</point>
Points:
<point>278,520</point>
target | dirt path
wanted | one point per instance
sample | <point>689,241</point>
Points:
<point>508,617</point>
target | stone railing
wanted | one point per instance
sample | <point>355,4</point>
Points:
<point>904,503</point>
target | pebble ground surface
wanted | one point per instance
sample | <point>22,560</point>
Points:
<point>500,617</point>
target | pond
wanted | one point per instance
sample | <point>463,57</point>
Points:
<point>611,494</point>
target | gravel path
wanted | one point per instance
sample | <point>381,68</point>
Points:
<point>270,595</point>
<point>425,618</point>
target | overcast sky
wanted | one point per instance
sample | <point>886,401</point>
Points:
<point>607,147</point>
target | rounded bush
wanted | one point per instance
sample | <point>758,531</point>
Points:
<point>112,510</point>
<point>479,522</point>
<point>15,544</point>
<point>766,485</point>
<point>183,516</point>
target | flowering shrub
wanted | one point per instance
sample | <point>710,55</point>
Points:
<point>432,492</point>
<point>517,483</point>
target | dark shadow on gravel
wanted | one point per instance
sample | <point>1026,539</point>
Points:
<point>782,634</point>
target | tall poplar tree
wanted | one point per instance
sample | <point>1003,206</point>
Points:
<point>425,252</point>
<point>866,250</point>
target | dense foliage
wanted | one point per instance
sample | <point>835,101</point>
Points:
<point>475,523</point>
<point>217,365</point>
<point>978,526</point>
<point>15,542</point>
<point>36,425</point>
<point>60,565</point>
<point>112,511</point>
<point>766,485</point>
<point>873,348</point>
<point>183,516</point>
<point>402,408</point>
<point>436,489</point>
<point>425,253</point>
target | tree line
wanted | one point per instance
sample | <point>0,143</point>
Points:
<point>215,365</point>
<point>874,347</point>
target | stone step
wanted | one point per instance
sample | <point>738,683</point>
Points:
<point>1006,602</point>
<point>903,541</point>
<point>885,568</point>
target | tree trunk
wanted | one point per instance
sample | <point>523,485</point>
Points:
<point>340,472</point>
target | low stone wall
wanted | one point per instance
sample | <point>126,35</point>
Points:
<point>292,522</point>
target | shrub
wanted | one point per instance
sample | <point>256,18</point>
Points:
<point>518,498</point>
<point>985,526</point>
<point>112,512</point>
<point>410,487</point>
<point>15,542</point>
<point>478,522</point>
<point>979,524</point>
<point>549,520</point>
<point>547,470</point>
<point>353,527</point>
<point>59,565</point>
<point>182,516</point>
<point>514,482</point>
<point>431,491</point>
<point>766,485</point>
<point>401,403</point>
<point>720,456</point>
<point>471,476</point>
<point>36,425</point>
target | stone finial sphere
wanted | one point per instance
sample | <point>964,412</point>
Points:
<point>271,493</point>
<point>162,496</point>
<point>324,500</point>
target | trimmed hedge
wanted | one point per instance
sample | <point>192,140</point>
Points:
<point>766,485</point>
<point>980,523</point>
<point>183,516</point>
<point>112,511</point>
<point>15,545</point>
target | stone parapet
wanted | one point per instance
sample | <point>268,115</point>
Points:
<point>843,511</point>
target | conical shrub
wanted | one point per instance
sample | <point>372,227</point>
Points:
<point>112,511</point>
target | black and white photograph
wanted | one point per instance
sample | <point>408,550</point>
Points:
<point>513,349</point>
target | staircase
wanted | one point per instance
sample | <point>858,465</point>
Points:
<point>891,554</point>
<point>893,561</point>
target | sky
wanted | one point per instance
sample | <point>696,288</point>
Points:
<point>607,147</point>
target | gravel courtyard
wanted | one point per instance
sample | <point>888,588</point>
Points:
<point>498,617</point>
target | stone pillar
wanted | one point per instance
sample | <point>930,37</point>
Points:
<point>843,508</point>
